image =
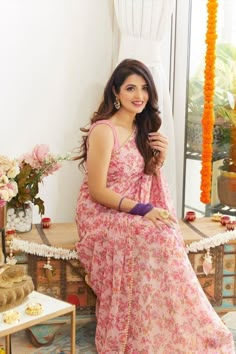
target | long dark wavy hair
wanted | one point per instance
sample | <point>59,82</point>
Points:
<point>147,121</point>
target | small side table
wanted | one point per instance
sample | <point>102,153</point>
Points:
<point>51,308</point>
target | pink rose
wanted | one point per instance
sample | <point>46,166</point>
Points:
<point>28,158</point>
<point>40,152</point>
<point>37,156</point>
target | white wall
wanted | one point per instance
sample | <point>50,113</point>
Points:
<point>55,56</point>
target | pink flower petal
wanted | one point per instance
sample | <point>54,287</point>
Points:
<point>40,152</point>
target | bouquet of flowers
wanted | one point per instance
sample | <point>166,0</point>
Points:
<point>9,169</point>
<point>19,179</point>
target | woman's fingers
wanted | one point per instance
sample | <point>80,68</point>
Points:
<point>159,144</point>
<point>157,215</point>
<point>157,137</point>
<point>157,223</point>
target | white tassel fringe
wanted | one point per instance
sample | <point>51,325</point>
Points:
<point>43,250</point>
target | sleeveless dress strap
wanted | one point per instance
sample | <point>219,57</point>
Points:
<point>107,122</point>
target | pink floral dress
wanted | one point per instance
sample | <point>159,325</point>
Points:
<point>149,300</point>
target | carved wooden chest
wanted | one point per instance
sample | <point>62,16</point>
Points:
<point>220,284</point>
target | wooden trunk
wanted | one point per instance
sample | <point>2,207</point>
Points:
<point>220,284</point>
<point>66,280</point>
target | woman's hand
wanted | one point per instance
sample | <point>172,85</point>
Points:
<point>158,214</point>
<point>158,142</point>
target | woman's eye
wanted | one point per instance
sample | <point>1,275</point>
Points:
<point>145,88</point>
<point>130,88</point>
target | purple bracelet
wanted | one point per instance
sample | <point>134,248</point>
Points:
<point>141,209</point>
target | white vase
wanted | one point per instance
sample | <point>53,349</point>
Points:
<point>20,218</point>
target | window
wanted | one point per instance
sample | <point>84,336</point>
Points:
<point>224,106</point>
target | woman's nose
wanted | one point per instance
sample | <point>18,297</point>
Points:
<point>139,94</point>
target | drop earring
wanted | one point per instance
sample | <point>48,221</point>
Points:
<point>117,103</point>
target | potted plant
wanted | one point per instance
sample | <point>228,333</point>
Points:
<point>226,181</point>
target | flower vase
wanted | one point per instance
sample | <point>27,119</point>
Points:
<point>19,218</point>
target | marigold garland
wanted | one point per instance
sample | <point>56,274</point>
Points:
<point>208,109</point>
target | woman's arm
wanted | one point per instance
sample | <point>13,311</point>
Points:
<point>101,142</point>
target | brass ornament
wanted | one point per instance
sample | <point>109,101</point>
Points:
<point>164,214</point>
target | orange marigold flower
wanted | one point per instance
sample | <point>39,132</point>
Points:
<point>208,110</point>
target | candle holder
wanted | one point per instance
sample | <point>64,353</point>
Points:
<point>11,317</point>
<point>224,219</point>
<point>231,225</point>
<point>216,217</point>
<point>190,216</point>
<point>46,223</point>
<point>34,309</point>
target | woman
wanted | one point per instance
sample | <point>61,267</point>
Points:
<point>149,300</point>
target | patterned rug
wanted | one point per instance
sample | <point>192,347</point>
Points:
<point>85,334</point>
<point>61,345</point>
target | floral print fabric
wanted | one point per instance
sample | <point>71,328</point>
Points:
<point>149,300</point>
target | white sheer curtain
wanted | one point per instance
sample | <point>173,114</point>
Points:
<point>143,26</point>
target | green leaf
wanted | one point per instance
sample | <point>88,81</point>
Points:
<point>40,203</point>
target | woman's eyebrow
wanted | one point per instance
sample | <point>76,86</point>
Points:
<point>133,85</point>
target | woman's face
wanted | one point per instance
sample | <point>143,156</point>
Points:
<point>133,94</point>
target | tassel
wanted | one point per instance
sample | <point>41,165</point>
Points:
<point>207,263</point>
<point>11,260</point>
<point>48,270</point>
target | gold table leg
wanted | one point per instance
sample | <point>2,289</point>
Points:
<point>73,327</point>
<point>8,344</point>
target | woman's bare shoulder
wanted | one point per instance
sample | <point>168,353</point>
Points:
<point>101,135</point>
<point>102,129</point>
